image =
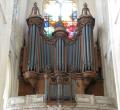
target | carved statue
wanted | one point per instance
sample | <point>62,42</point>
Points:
<point>35,10</point>
<point>85,10</point>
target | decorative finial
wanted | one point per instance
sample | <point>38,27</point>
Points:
<point>85,10</point>
<point>35,10</point>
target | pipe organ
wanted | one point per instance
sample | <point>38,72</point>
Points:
<point>61,64</point>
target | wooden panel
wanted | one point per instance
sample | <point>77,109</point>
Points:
<point>25,88</point>
<point>25,59</point>
<point>98,89</point>
<point>80,86</point>
<point>95,87</point>
<point>41,86</point>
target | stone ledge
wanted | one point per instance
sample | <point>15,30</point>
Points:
<point>83,102</point>
<point>93,100</point>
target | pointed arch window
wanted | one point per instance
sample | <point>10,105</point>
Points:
<point>66,10</point>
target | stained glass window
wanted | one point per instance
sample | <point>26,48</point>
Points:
<point>64,9</point>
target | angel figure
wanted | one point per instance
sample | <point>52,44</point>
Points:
<point>35,10</point>
<point>85,10</point>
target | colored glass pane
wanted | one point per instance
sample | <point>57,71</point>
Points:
<point>64,9</point>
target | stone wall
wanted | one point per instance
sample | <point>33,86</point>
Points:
<point>12,27</point>
<point>104,36</point>
<point>114,29</point>
<point>6,11</point>
<point>83,102</point>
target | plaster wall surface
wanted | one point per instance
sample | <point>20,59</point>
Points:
<point>12,27</point>
<point>114,27</point>
<point>103,34</point>
<point>5,32</point>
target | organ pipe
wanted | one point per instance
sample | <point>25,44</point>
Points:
<point>85,25</point>
<point>60,56</point>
